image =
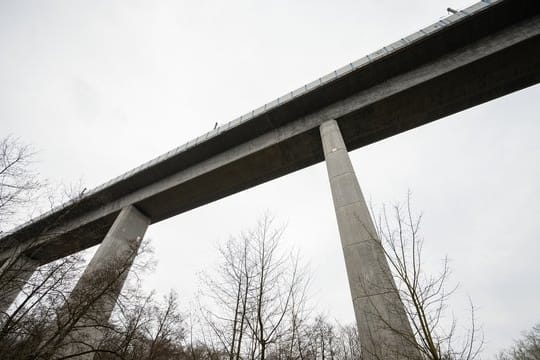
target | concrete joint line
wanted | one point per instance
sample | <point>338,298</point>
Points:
<point>352,203</point>
<point>347,172</point>
<point>347,246</point>
<point>372,295</point>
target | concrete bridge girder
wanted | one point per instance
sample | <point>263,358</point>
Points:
<point>498,64</point>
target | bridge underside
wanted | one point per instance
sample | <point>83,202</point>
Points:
<point>468,62</point>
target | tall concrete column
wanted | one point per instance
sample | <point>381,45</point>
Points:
<point>92,301</point>
<point>383,327</point>
<point>14,274</point>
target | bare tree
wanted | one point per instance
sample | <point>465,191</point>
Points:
<point>323,338</point>
<point>526,348</point>
<point>25,326</point>
<point>167,331</point>
<point>228,293</point>
<point>277,277</point>
<point>349,343</point>
<point>18,180</point>
<point>424,296</point>
<point>256,295</point>
<point>53,319</point>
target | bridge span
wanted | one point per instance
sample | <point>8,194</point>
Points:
<point>475,55</point>
<point>480,53</point>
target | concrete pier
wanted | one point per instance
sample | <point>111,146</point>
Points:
<point>14,274</point>
<point>94,297</point>
<point>383,327</point>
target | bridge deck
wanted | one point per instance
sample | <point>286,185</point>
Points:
<point>483,52</point>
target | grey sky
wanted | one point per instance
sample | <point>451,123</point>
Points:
<point>100,87</point>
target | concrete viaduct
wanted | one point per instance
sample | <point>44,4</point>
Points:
<point>475,55</point>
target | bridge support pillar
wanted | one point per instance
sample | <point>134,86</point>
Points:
<point>14,274</point>
<point>92,301</point>
<point>383,327</point>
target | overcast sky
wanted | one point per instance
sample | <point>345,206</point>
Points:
<point>98,87</point>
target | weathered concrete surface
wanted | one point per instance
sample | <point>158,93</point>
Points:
<point>383,327</point>
<point>14,274</point>
<point>92,301</point>
<point>481,53</point>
